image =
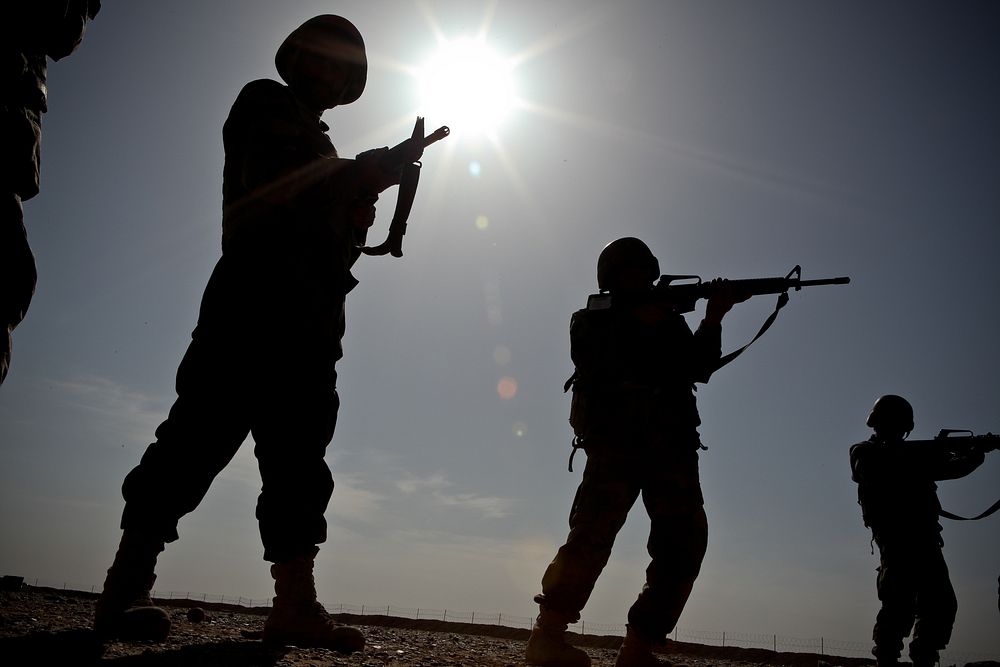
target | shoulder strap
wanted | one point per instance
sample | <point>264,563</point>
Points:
<point>782,300</point>
<point>954,517</point>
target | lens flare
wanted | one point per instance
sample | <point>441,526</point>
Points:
<point>520,429</point>
<point>482,222</point>
<point>507,388</point>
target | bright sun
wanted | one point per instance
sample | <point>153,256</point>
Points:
<point>468,87</point>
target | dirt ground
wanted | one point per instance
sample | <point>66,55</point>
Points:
<point>41,626</point>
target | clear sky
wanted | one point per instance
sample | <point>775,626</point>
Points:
<point>737,139</point>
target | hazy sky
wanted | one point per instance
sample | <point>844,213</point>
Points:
<point>736,138</point>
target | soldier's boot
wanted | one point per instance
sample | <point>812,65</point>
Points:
<point>921,656</point>
<point>547,645</point>
<point>636,651</point>
<point>885,658</point>
<point>125,609</point>
<point>297,618</point>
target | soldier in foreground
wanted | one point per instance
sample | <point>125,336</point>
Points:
<point>33,30</point>
<point>634,414</point>
<point>262,357</point>
<point>898,498</point>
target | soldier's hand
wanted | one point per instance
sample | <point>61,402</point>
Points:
<point>724,297</point>
<point>373,174</point>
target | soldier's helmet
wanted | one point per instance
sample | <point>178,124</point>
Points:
<point>625,254</point>
<point>891,412</point>
<point>333,38</point>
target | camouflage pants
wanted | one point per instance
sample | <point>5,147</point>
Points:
<point>667,480</point>
<point>916,593</point>
<point>244,373</point>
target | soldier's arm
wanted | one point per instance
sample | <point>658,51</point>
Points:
<point>958,464</point>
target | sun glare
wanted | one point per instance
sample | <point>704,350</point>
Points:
<point>468,86</point>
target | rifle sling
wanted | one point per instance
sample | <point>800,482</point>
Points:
<point>782,300</point>
<point>955,517</point>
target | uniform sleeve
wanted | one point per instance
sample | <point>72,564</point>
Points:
<point>263,134</point>
<point>706,352</point>
<point>956,465</point>
<point>588,348</point>
<point>276,156</point>
<point>858,462</point>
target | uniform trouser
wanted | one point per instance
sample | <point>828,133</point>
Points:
<point>17,274</point>
<point>612,481</point>
<point>234,381</point>
<point>916,593</point>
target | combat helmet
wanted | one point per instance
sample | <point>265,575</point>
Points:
<point>627,253</point>
<point>891,412</point>
<point>334,38</point>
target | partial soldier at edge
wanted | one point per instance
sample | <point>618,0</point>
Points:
<point>33,30</point>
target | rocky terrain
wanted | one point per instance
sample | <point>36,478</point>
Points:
<point>41,626</point>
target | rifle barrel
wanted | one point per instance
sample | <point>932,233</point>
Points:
<point>843,280</point>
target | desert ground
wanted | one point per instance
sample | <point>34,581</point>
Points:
<point>42,626</point>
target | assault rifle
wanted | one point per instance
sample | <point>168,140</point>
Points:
<point>961,444</point>
<point>682,297</point>
<point>947,440</point>
<point>404,157</point>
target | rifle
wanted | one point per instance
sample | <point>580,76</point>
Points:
<point>404,157</point>
<point>962,444</point>
<point>682,297</point>
<point>948,441</point>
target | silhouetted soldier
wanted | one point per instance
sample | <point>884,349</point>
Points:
<point>634,413</point>
<point>262,357</point>
<point>32,30</point>
<point>899,502</point>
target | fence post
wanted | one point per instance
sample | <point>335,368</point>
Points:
<point>418,613</point>
<point>775,643</point>
<point>445,616</point>
<point>821,646</point>
<point>473,618</point>
<point>387,610</point>
<point>499,616</point>
<point>362,610</point>
<point>723,637</point>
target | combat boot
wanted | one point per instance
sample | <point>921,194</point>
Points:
<point>922,657</point>
<point>297,618</point>
<point>636,651</point>
<point>886,657</point>
<point>547,645</point>
<point>125,609</point>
